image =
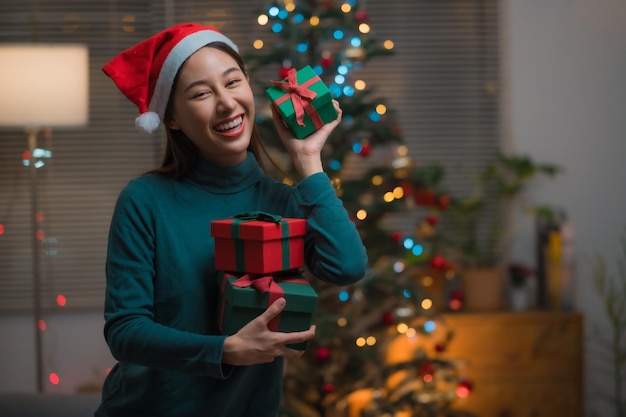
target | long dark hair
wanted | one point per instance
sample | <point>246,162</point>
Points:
<point>181,153</point>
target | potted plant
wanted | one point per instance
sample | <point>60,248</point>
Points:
<point>475,226</point>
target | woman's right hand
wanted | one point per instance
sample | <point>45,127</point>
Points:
<point>255,343</point>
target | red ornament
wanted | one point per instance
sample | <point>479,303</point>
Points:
<point>366,149</point>
<point>424,197</point>
<point>457,295</point>
<point>466,384</point>
<point>388,318</point>
<point>361,16</point>
<point>426,368</point>
<point>328,388</point>
<point>322,354</point>
<point>444,201</point>
<point>432,219</point>
<point>456,300</point>
<point>464,388</point>
<point>326,62</point>
<point>440,347</point>
<point>283,71</point>
<point>407,188</point>
<point>438,262</point>
<point>396,237</point>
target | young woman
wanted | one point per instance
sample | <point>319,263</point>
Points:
<point>161,295</point>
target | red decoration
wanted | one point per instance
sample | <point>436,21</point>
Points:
<point>432,220</point>
<point>322,354</point>
<point>407,188</point>
<point>424,197</point>
<point>464,388</point>
<point>444,201</point>
<point>388,318</point>
<point>396,237</point>
<point>366,149</point>
<point>438,262</point>
<point>284,71</point>
<point>440,347</point>
<point>426,368</point>
<point>326,62</point>
<point>328,388</point>
<point>456,300</point>
<point>361,16</point>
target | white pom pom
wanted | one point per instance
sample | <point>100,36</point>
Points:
<point>148,122</point>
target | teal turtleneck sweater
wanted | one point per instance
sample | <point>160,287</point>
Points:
<point>161,296</point>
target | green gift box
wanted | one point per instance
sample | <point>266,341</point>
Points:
<point>303,101</point>
<point>243,297</point>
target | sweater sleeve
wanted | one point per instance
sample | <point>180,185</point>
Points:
<point>130,329</point>
<point>334,250</point>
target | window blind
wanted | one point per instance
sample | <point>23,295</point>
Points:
<point>442,83</point>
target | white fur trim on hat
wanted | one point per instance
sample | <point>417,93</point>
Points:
<point>148,122</point>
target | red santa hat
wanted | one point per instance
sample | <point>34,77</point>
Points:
<point>145,72</point>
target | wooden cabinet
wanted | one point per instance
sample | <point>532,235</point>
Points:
<point>525,364</point>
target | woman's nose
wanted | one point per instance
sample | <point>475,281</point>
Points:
<point>226,101</point>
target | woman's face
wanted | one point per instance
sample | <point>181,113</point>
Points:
<point>213,105</point>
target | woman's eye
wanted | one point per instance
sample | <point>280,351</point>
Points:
<point>233,82</point>
<point>200,94</point>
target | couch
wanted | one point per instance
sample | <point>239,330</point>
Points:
<point>48,405</point>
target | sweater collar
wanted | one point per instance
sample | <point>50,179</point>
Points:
<point>226,180</point>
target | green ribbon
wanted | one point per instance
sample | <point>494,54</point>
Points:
<point>264,217</point>
<point>258,215</point>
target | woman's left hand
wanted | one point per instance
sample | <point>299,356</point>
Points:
<point>306,153</point>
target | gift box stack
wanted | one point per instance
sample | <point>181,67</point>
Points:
<point>303,101</point>
<point>258,257</point>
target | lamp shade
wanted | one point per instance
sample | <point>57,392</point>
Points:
<point>44,85</point>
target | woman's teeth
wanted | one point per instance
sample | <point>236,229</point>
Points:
<point>230,125</point>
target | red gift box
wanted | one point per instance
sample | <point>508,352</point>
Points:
<point>258,243</point>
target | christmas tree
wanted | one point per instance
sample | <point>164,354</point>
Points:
<point>378,344</point>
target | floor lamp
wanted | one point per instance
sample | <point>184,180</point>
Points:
<point>42,86</point>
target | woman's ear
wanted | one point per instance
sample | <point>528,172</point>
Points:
<point>173,124</point>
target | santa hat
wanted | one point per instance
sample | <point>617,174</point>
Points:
<point>145,72</point>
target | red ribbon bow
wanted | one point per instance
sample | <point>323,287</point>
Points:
<point>300,95</point>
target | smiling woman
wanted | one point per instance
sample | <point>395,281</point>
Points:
<point>161,312</point>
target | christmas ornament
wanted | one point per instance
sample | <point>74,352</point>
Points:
<point>326,60</point>
<point>284,69</point>
<point>388,318</point>
<point>426,368</point>
<point>444,201</point>
<point>322,354</point>
<point>424,197</point>
<point>438,262</point>
<point>366,149</point>
<point>432,219</point>
<point>361,16</point>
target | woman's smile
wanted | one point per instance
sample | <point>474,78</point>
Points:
<point>231,127</point>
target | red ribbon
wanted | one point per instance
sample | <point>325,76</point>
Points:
<point>266,284</point>
<point>300,96</point>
